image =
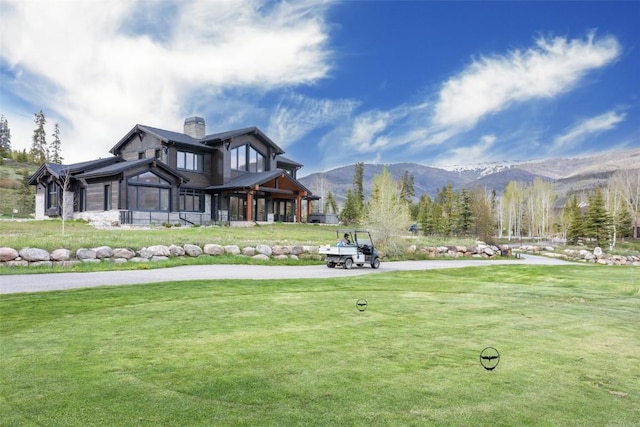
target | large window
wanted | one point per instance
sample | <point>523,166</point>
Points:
<point>148,192</point>
<point>237,208</point>
<point>52,195</point>
<point>191,200</point>
<point>247,158</point>
<point>190,161</point>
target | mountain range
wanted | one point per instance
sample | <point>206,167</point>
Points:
<point>569,175</point>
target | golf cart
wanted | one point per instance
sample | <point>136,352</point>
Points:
<point>356,247</point>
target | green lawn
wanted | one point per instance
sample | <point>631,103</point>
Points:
<point>298,352</point>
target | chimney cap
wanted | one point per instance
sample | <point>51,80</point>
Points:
<point>194,119</point>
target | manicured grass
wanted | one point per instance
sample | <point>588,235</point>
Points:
<point>298,352</point>
<point>78,234</point>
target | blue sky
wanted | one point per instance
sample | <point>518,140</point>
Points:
<point>331,82</point>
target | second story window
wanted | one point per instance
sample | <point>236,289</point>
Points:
<point>247,158</point>
<point>190,161</point>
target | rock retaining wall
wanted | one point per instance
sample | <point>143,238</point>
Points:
<point>27,257</point>
<point>10,257</point>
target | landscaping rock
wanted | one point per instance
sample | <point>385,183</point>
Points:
<point>34,254</point>
<point>213,249</point>
<point>175,251</point>
<point>261,257</point>
<point>249,251</point>
<point>103,252</point>
<point>8,254</point>
<point>60,255</point>
<point>264,250</point>
<point>159,250</point>
<point>125,253</point>
<point>192,250</point>
<point>84,253</point>
<point>281,257</point>
<point>296,250</point>
<point>232,249</point>
<point>280,250</point>
<point>145,253</point>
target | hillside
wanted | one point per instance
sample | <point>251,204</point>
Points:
<point>11,188</point>
<point>568,174</point>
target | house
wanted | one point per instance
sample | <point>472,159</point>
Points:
<point>157,176</point>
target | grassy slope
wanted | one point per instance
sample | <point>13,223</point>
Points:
<point>10,184</point>
<point>297,352</point>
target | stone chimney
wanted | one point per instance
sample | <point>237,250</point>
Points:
<point>194,127</point>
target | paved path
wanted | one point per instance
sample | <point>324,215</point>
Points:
<point>60,281</point>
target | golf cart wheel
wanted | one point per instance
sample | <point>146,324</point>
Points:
<point>331,264</point>
<point>375,263</point>
<point>348,263</point>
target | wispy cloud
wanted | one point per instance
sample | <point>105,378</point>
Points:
<point>492,84</point>
<point>106,68</point>
<point>488,86</point>
<point>479,152</point>
<point>297,115</point>
<point>585,128</point>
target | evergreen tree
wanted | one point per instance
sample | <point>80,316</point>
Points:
<point>573,214</point>
<point>597,219</point>
<point>406,187</point>
<point>625,222</point>
<point>422,216</point>
<point>350,213</point>
<point>55,147</point>
<point>465,213</point>
<point>39,152</point>
<point>5,137</point>
<point>358,186</point>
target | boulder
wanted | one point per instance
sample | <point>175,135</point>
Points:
<point>213,249</point>
<point>159,250</point>
<point>296,250</point>
<point>60,255</point>
<point>262,257</point>
<point>264,250</point>
<point>281,257</point>
<point>41,264</point>
<point>175,251</point>
<point>145,253</point>
<point>8,254</point>
<point>125,253</point>
<point>280,250</point>
<point>34,254</point>
<point>192,250</point>
<point>249,251</point>
<point>103,252</point>
<point>232,249</point>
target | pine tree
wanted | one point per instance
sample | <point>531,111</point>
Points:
<point>55,147</point>
<point>330,204</point>
<point>575,229</point>
<point>349,214</point>
<point>625,222</point>
<point>597,219</point>
<point>358,187</point>
<point>39,152</point>
<point>5,137</point>
<point>465,213</point>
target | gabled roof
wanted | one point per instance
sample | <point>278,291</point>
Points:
<point>286,161</point>
<point>163,135</point>
<point>58,171</point>
<point>121,167</point>
<point>250,180</point>
<point>218,138</point>
<point>204,143</point>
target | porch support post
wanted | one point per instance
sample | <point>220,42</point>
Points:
<point>298,208</point>
<point>249,216</point>
<point>309,202</point>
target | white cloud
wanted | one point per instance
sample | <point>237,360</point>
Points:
<point>481,152</point>
<point>298,115</point>
<point>590,126</point>
<point>100,69</point>
<point>492,84</point>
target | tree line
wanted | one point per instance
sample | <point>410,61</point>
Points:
<point>533,210</point>
<point>40,150</point>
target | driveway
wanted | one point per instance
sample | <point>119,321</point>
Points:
<point>10,284</point>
